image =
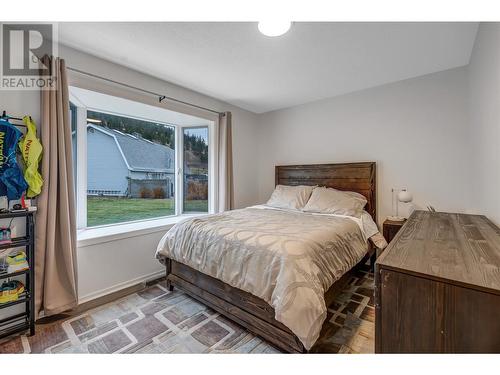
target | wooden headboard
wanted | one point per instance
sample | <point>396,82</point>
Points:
<point>358,177</point>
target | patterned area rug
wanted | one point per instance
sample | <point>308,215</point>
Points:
<point>157,321</point>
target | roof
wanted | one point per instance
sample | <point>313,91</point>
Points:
<point>141,154</point>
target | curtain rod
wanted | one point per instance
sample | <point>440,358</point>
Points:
<point>161,97</point>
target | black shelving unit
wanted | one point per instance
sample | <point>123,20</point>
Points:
<point>26,320</point>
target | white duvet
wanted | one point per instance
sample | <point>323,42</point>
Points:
<point>286,257</point>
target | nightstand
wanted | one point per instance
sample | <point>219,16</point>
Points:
<point>390,228</point>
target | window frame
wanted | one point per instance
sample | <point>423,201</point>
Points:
<point>81,162</point>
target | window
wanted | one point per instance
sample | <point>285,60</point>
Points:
<point>126,158</point>
<point>132,168</point>
<point>195,177</point>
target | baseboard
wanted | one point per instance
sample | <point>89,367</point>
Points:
<point>120,287</point>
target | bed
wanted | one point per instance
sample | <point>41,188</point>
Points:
<point>251,303</point>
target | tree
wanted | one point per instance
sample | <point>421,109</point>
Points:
<point>152,131</point>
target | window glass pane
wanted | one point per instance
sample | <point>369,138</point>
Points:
<point>195,169</point>
<point>130,169</point>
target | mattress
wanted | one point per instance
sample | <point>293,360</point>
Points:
<point>285,257</point>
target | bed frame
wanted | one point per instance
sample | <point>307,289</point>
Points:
<point>250,311</point>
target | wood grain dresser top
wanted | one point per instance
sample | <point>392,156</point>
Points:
<point>462,249</point>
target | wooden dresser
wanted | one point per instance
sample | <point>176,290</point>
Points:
<point>437,286</point>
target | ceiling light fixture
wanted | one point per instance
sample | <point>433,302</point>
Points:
<point>274,28</point>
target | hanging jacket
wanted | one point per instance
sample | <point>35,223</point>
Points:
<point>31,149</point>
<point>12,182</point>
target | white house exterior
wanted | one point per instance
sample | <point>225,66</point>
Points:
<point>120,164</point>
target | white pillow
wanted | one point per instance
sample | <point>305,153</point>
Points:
<point>332,201</point>
<point>291,197</point>
<point>371,231</point>
<point>369,226</point>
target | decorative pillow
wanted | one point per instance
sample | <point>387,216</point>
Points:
<point>332,201</point>
<point>379,241</point>
<point>291,197</point>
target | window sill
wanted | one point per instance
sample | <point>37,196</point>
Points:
<point>94,236</point>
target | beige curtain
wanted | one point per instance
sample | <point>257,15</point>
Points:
<point>226,193</point>
<point>55,251</point>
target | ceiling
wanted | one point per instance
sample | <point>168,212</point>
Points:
<point>233,62</point>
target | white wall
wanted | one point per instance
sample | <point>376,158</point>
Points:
<point>484,92</point>
<point>110,266</point>
<point>414,129</point>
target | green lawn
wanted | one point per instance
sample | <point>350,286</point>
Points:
<point>103,210</point>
